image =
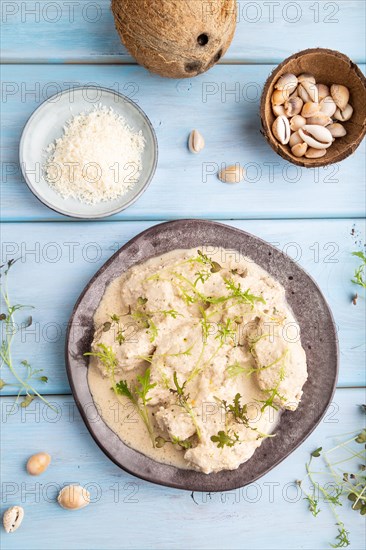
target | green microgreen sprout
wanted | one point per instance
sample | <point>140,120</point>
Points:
<point>359,277</point>
<point>115,322</point>
<point>242,296</point>
<point>9,330</point>
<point>335,486</point>
<point>183,401</point>
<point>183,443</point>
<point>145,317</point>
<point>237,413</point>
<point>223,439</point>
<point>235,369</point>
<point>137,393</point>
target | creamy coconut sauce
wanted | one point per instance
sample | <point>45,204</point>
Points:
<point>213,335</point>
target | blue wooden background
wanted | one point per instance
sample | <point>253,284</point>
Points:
<point>316,216</point>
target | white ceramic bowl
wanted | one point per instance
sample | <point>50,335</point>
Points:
<point>46,124</point>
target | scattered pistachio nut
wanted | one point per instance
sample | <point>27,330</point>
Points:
<point>73,497</point>
<point>38,463</point>
<point>295,139</point>
<point>327,106</point>
<point>312,153</point>
<point>293,106</point>
<point>310,109</point>
<point>196,142</point>
<point>297,122</point>
<point>344,115</point>
<point>317,137</point>
<point>12,518</point>
<point>281,129</point>
<point>320,118</point>
<point>287,81</point>
<point>337,130</point>
<point>232,174</point>
<point>340,95</point>
<point>323,91</point>
<point>299,149</point>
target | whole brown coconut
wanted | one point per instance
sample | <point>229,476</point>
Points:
<point>176,38</point>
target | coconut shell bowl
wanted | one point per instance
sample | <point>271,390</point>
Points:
<point>330,68</point>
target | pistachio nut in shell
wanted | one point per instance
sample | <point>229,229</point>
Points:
<point>303,93</point>
<point>12,518</point>
<point>311,89</point>
<point>38,463</point>
<point>232,174</point>
<point>297,122</point>
<point>323,91</point>
<point>312,153</point>
<point>295,139</point>
<point>340,95</point>
<point>279,97</point>
<point>337,130</point>
<point>287,81</point>
<point>317,137</point>
<point>310,109</point>
<point>196,142</point>
<point>293,106</point>
<point>320,118</point>
<point>327,106</point>
<point>299,149</point>
<point>278,110</point>
<point>306,77</point>
<point>344,115</point>
<point>295,93</point>
<point>73,497</point>
<point>281,129</point>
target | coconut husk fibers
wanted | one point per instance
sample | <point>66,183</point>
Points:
<point>329,67</point>
<point>176,38</point>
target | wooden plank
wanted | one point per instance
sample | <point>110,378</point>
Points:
<point>223,104</point>
<point>128,513</point>
<point>36,31</point>
<point>58,259</point>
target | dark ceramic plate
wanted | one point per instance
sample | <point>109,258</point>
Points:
<point>317,332</point>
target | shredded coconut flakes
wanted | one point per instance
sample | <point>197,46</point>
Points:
<point>97,159</point>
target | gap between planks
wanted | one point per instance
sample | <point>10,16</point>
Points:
<point>139,219</point>
<point>116,61</point>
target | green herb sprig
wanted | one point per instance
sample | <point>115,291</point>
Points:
<point>145,317</point>
<point>241,296</point>
<point>9,330</point>
<point>228,439</point>
<point>137,393</point>
<point>345,486</point>
<point>115,322</point>
<point>239,414</point>
<point>359,277</point>
<point>183,401</point>
<point>182,443</point>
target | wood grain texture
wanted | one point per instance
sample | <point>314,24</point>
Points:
<point>267,32</point>
<point>224,105</point>
<point>58,259</point>
<point>128,513</point>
